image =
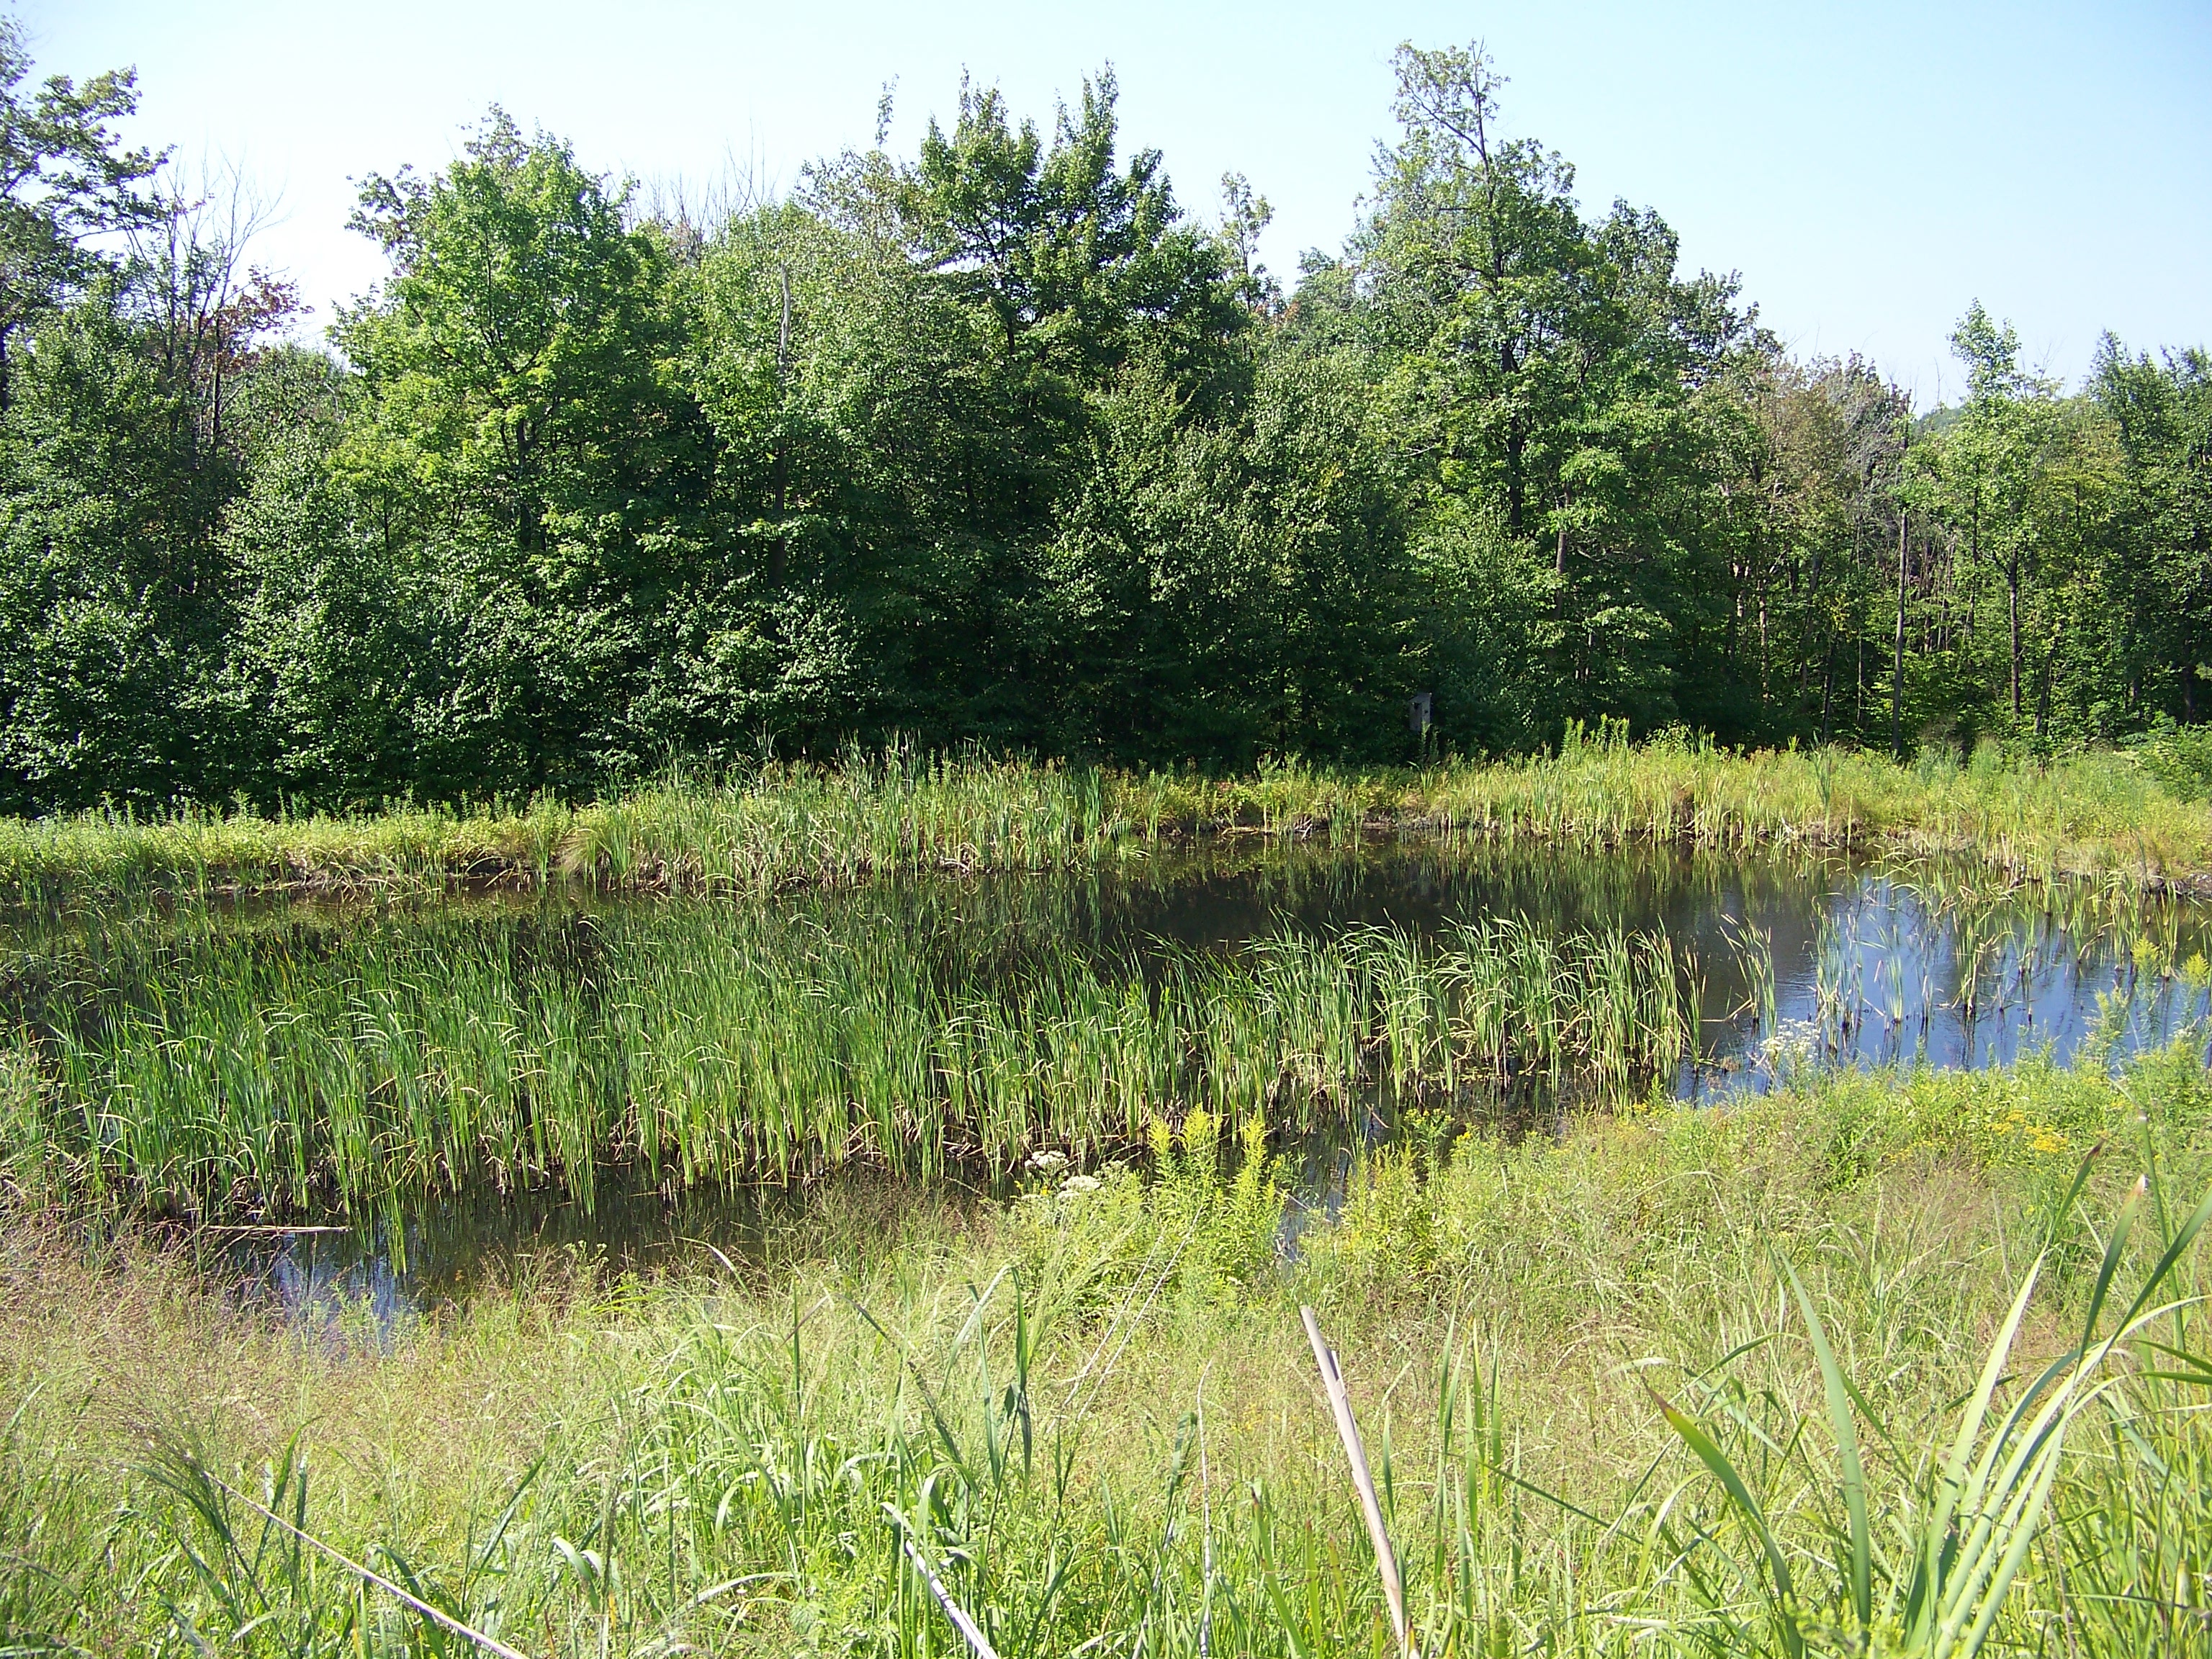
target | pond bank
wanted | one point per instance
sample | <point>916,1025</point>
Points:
<point>2100,816</point>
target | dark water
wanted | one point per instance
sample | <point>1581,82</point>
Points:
<point>1798,962</point>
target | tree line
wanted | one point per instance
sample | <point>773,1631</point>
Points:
<point>998,442</point>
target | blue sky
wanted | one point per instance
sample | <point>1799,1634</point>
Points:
<point>1868,169</point>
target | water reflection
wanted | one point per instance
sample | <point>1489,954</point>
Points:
<point>1795,962</point>
<point>1901,966</point>
<point>357,1288</point>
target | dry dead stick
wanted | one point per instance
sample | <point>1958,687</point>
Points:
<point>436,1616</point>
<point>1339,1404</point>
<point>969,1630</point>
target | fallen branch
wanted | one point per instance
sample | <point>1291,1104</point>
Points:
<point>1339,1404</point>
<point>489,1643</point>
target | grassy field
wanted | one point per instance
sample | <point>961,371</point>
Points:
<point>1091,1415</point>
<point>2098,814</point>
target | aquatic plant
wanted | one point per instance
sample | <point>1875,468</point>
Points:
<point>214,1070</point>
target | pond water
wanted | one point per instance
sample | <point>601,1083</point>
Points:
<point>1790,961</point>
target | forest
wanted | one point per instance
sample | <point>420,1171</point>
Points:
<point>1002,443</point>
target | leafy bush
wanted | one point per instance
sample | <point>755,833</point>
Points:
<point>2180,758</point>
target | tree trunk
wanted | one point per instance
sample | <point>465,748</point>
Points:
<point>1897,680</point>
<point>2049,673</point>
<point>1516,491</point>
<point>1516,441</point>
<point>1765,656</point>
<point>2012,612</point>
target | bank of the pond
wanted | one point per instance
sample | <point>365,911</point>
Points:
<point>2100,815</point>
<point>1091,1412</point>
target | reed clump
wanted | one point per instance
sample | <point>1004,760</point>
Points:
<point>2091,814</point>
<point>212,1070</point>
<point>871,814</point>
<point>1088,1414</point>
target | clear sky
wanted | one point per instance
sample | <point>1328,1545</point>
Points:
<point>1868,169</point>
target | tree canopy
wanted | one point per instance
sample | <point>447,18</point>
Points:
<point>1000,442</point>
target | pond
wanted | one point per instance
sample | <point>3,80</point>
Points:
<point>361,1106</point>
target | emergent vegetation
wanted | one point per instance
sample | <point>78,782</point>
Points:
<point>2116,817</point>
<point>221,1071</point>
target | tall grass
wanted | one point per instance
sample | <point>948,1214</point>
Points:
<point>2094,814</point>
<point>871,814</point>
<point>213,1070</point>
<point>1087,1416</point>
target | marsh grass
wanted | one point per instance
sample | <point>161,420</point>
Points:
<point>210,1071</point>
<point>1088,1412</point>
<point>875,813</point>
<point>1931,938</point>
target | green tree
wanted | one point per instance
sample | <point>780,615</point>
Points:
<point>64,179</point>
<point>112,586</point>
<point>519,416</point>
<point>1078,261</point>
<point>2160,415</point>
<point>1237,586</point>
<point>2016,481</point>
<point>1563,372</point>
<point>1818,494</point>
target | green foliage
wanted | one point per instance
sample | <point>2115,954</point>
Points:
<point>65,181</point>
<point>1076,264</point>
<point>519,413</point>
<point>1965,1524</point>
<point>213,1069</point>
<point>998,444</point>
<point>112,579</point>
<point>2180,757</point>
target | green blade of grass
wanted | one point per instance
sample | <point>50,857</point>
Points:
<point>1847,1453</point>
<point>1784,1599</point>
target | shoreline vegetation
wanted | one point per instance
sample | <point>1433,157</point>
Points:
<point>1088,1411</point>
<point>2100,815</point>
